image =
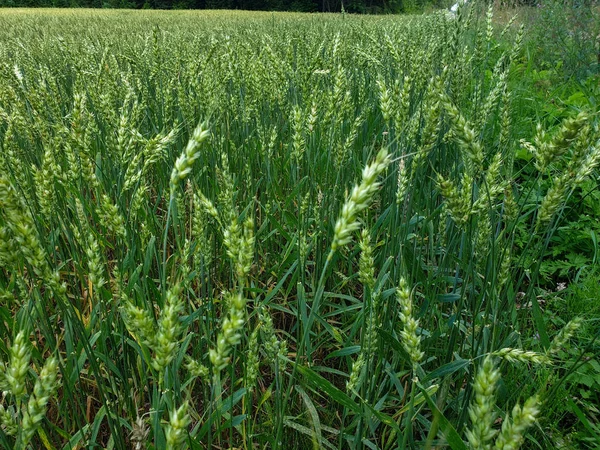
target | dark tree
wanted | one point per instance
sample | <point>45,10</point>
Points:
<point>351,6</point>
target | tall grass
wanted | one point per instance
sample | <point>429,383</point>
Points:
<point>252,230</point>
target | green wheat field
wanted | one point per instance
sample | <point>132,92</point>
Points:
<point>244,230</point>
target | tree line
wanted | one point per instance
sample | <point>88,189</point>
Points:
<point>351,6</point>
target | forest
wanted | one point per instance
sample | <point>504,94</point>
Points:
<point>350,6</point>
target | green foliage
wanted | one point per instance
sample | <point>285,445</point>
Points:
<point>351,6</point>
<point>572,414</point>
<point>566,33</point>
